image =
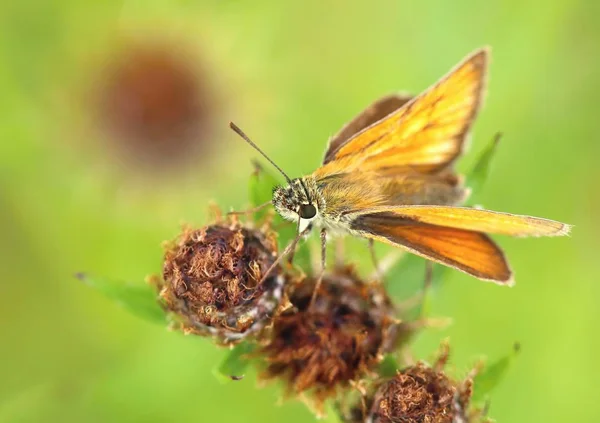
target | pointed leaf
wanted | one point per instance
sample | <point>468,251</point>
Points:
<point>407,277</point>
<point>261,187</point>
<point>478,176</point>
<point>140,299</point>
<point>388,366</point>
<point>490,376</point>
<point>234,364</point>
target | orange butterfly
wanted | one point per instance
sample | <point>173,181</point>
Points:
<point>388,176</point>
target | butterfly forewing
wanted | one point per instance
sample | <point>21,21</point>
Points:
<point>424,135</point>
<point>473,220</point>
<point>375,112</point>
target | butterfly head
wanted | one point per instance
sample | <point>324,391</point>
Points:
<point>299,200</point>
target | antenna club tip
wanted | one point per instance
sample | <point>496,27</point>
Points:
<point>236,129</point>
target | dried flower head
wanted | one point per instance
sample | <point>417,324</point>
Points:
<point>419,393</point>
<point>212,280</point>
<point>333,341</point>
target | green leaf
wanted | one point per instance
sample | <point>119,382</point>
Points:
<point>407,279</point>
<point>140,299</point>
<point>388,366</point>
<point>477,177</point>
<point>262,182</point>
<point>234,363</point>
<point>486,380</point>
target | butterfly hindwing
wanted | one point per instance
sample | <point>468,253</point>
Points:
<point>468,251</point>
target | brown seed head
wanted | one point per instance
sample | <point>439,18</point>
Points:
<point>211,280</point>
<point>417,394</point>
<point>336,340</point>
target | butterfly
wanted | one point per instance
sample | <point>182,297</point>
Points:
<point>388,176</point>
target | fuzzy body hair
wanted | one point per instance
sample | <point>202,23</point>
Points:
<point>338,198</point>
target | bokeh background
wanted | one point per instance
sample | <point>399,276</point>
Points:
<point>113,131</point>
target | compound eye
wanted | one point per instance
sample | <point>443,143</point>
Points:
<point>307,211</point>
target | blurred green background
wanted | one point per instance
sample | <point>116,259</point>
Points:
<point>290,74</point>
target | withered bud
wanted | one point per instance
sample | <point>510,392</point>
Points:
<point>333,341</point>
<point>212,280</point>
<point>419,393</point>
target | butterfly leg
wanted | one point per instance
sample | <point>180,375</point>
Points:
<point>417,300</point>
<point>300,235</point>
<point>291,248</point>
<point>323,264</point>
<point>290,259</point>
<point>378,272</point>
<point>385,264</point>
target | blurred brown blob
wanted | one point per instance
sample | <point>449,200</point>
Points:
<point>156,104</point>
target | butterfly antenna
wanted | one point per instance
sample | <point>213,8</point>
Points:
<point>241,133</point>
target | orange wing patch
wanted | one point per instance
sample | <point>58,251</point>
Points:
<point>478,220</point>
<point>471,252</point>
<point>426,134</point>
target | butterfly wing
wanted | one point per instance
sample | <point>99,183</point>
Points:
<point>425,135</point>
<point>452,235</point>
<point>351,193</point>
<point>471,252</point>
<point>473,219</point>
<point>366,180</point>
<point>375,112</point>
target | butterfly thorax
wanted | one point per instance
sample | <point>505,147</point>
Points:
<point>301,199</point>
